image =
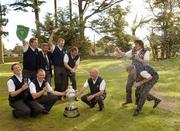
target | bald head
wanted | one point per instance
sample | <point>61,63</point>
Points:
<point>94,73</point>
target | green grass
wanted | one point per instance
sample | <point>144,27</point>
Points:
<point>115,117</point>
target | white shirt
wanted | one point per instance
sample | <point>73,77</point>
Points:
<point>102,85</point>
<point>145,74</point>
<point>11,85</point>
<point>53,48</point>
<point>66,59</point>
<point>146,55</point>
<point>32,87</point>
<point>25,48</point>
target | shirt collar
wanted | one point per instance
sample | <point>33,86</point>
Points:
<point>32,48</point>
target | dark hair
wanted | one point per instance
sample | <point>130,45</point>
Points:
<point>74,48</point>
<point>32,40</point>
<point>45,44</point>
<point>140,42</point>
<point>12,66</point>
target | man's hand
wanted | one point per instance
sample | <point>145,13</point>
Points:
<point>24,87</point>
<point>89,98</point>
<point>137,84</point>
<point>55,30</point>
<point>45,89</point>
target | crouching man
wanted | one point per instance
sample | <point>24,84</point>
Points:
<point>18,89</point>
<point>145,79</point>
<point>42,94</point>
<point>97,90</point>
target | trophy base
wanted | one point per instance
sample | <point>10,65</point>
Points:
<point>73,113</point>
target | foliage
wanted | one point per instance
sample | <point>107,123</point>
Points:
<point>112,23</point>
<point>166,24</point>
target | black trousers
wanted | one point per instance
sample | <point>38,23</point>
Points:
<point>97,99</point>
<point>21,108</point>
<point>60,79</point>
<point>142,94</point>
<point>129,84</point>
<point>31,74</point>
<point>72,78</point>
<point>43,103</point>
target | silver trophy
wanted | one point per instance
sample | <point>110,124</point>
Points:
<point>71,111</point>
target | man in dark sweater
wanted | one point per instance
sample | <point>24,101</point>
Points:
<point>18,89</point>
<point>145,79</point>
<point>44,61</point>
<point>97,90</point>
<point>30,58</point>
<point>71,62</point>
<point>139,56</point>
<point>42,94</point>
<point>58,51</point>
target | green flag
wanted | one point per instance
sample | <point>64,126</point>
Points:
<point>22,32</point>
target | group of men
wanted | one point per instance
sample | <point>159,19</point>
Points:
<point>30,91</point>
<point>140,75</point>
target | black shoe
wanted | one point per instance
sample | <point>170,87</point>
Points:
<point>91,106</point>
<point>45,112</point>
<point>101,108</point>
<point>136,113</point>
<point>14,114</point>
<point>156,102</point>
<point>125,103</point>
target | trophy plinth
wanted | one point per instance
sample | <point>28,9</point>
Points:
<point>71,111</point>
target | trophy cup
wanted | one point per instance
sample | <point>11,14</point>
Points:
<point>71,111</point>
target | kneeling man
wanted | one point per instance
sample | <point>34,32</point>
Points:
<point>18,89</point>
<point>42,94</point>
<point>97,90</point>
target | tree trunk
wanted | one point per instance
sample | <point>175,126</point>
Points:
<point>70,12</point>
<point>81,22</point>
<point>1,44</point>
<point>55,13</point>
<point>36,12</point>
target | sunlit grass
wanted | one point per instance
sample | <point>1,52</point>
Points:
<point>115,117</point>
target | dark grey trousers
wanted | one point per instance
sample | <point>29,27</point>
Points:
<point>72,78</point>
<point>142,94</point>
<point>48,77</point>
<point>129,85</point>
<point>97,99</point>
<point>21,109</point>
<point>43,103</point>
<point>60,79</point>
<point>29,74</point>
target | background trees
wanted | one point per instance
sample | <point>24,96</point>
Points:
<point>165,30</point>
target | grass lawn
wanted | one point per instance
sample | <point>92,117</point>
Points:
<point>166,117</point>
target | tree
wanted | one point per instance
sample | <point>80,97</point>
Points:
<point>138,24</point>
<point>3,22</point>
<point>55,13</point>
<point>94,7</point>
<point>166,23</point>
<point>22,5</point>
<point>112,23</point>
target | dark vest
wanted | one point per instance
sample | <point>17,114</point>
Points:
<point>58,57</point>
<point>38,87</point>
<point>30,59</point>
<point>18,85</point>
<point>94,88</point>
<point>72,61</point>
<point>139,66</point>
<point>151,71</point>
<point>42,63</point>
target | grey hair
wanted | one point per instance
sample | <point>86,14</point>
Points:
<point>130,67</point>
